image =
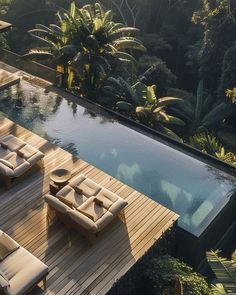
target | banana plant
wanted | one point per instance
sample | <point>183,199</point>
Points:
<point>203,113</point>
<point>139,101</point>
<point>89,45</point>
<point>225,272</point>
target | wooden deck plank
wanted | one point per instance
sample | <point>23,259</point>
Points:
<point>75,266</point>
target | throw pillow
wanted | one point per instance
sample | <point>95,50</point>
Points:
<point>7,246</point>
<point>78,190</point>
<point>98,202</point>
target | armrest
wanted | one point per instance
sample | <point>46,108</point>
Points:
<point>35,158</point>
<point>83,220</point>
<point>56,204</point>
<point>6,171</point>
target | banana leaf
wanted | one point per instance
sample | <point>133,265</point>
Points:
<point>129,44</point>
<point>220,112</point>
<point>224,270</point>
<point>175,121</point>
<point>164,101</point>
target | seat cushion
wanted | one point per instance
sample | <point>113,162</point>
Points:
<point>69,193</point>
<point>7,246</point>
<point>14,159</point>
<point>92,209</point>
<point>23,271</point>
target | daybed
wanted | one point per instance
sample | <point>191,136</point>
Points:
<point>86,206</point>
<point>20,271</point>
<point>17,158</point>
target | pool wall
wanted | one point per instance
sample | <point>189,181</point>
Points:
<point>192,249</point>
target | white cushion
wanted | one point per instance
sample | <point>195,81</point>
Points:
<point>7,246</point>
<point>57,204</point>
<point>83,221</point>
<point>23,271</point>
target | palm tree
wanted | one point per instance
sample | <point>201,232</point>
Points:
<point>88,44</point>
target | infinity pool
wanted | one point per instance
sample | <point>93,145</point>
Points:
<point>193,189</point>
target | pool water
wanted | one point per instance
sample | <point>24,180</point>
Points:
<point>193,189</point>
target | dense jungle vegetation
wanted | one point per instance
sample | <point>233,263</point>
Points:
<point>175,73</point>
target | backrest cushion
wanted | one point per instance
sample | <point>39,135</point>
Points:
<point>7,246</point>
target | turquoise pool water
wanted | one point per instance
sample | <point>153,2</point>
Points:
<point>195,190</point>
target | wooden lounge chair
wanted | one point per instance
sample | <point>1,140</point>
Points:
<point>86,206</point>
<point>20,271</point>
<point>17,158</point>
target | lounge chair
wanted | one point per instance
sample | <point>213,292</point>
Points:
<point>20,271</point>
<point>17,158</point>
<point>86,206</point>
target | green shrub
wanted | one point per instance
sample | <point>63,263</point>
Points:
<point>162,274</point>
<point>154,71</point>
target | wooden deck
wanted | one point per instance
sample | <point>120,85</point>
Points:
<point>75,266</point>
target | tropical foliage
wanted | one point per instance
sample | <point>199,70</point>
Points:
<point>209,144</point>
<point>203,113</point>
<point>163,272</point>
<point>232,94</point>
<point>225,272</point>
<point>95,47</point>
<point>88,44</point>
<point>141,102</point>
